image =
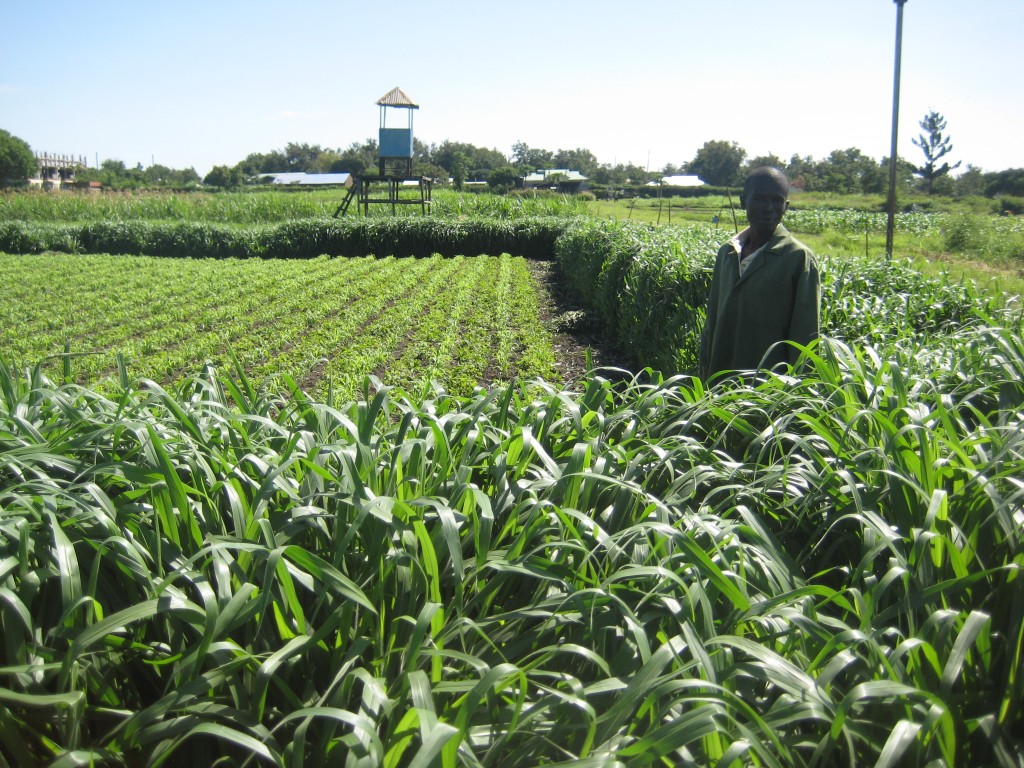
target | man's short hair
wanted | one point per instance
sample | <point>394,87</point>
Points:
<point>767,172</point>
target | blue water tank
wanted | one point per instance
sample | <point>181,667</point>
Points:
<point>396,142</point>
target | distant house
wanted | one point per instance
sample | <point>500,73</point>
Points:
<point>559,179</point>
<point>55,171</point>
<point>680,181</point>
<point>309,179</point>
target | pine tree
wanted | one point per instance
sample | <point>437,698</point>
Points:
<point>935,146</point>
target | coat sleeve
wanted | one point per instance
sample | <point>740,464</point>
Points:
<point>805,324</point>
<point>708,333</point>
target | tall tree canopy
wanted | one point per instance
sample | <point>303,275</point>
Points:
<point>718,163</point>
<point>17,162</point>
<point>527,158</point>
<point>935,146</point>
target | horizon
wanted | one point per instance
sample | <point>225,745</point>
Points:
<point>196,87</point>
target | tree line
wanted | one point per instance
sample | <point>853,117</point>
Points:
<point>718,163</point>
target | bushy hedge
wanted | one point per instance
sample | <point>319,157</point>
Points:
<point>648,286</point>
<point>531,237</point>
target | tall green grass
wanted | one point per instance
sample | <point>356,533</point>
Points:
<point>786,571</point>
<point>823,571</point>
<point>260,206</point>
<point>300,239</point>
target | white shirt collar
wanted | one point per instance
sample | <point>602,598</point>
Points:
<point>737,244</point>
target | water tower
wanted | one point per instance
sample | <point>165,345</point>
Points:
<point>395,147</point>
<point>395,183</point>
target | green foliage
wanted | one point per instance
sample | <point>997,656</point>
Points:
<point>718,163</point>
<point>848,221</point>
<point>647,286</point>
<point>326,322</point>
<point>224,177</point>
<point>875,301</point>
<point>261,206</point>
<point>532,237</point>
<point>935,146</point>
<point>503,178</point>
<point>1008,182</point>
<point>114,175</point>
<point>994,240</point>
<point>1011,205</point>
<point>17,163</point>
<point>823,571</point>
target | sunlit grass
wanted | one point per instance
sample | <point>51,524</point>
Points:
<point>787,570</point>
<point>791,572</point>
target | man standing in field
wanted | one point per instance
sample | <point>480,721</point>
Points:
<point>765,289</point>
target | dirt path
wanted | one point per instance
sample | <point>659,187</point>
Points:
<point>576,333</point>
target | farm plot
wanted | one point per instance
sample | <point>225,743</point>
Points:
<point>322,322</point>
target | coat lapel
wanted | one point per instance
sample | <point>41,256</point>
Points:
<point>762,258</point>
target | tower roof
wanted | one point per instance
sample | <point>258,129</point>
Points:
<point>396,97</point>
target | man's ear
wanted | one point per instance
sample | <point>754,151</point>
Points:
<point>743,202</point>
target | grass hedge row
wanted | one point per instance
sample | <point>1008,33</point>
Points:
<point>529,237</point>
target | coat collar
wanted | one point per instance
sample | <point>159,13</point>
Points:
<point>777,238</point>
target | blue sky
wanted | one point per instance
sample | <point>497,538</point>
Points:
<point>202,83</point>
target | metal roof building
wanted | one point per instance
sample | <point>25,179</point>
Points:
<point>308,179</point>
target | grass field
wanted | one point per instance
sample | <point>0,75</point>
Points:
<point>232,569</point>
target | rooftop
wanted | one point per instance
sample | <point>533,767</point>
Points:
<point>396,97</point>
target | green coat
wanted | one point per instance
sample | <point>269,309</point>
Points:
<point>777,299</point>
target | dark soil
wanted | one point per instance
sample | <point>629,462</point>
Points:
<point>576,332</point>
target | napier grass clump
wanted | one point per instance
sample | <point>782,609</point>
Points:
<point>298,239</point>
<point>823,571</point>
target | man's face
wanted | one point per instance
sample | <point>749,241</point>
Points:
<point>766,202</point>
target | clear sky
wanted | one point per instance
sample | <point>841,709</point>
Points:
<point>198,83</point>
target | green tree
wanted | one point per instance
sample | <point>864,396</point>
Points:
<point>459,168</point>
<point>359,159</point>
<point>1008,182</point>
<point>935,146</point>
<point>256,163</point>
<point>478,161</point>
<point>581,160</point>
<point>802,172</point>
<point>163,176</point>
<point>904,175</point>
<point>114,174</point>
<point>17,163</point>
<point>224,177</point>
<point>527,158</point>
<point>718,163</point>
<point>971,182</point>
<point>635,174</point>
<point>771,160</point>
<point>610,175</point>
<point>502,179</point>
<point>302,157</point>
<point>849,171</point>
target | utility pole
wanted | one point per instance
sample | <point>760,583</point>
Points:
<point>891,222</point>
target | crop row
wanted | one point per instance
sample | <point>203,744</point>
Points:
<point>318,321</point>
<point>851,222</point>
<point>264,206</point>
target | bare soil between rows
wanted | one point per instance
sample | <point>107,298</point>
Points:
<point>576,333</point>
